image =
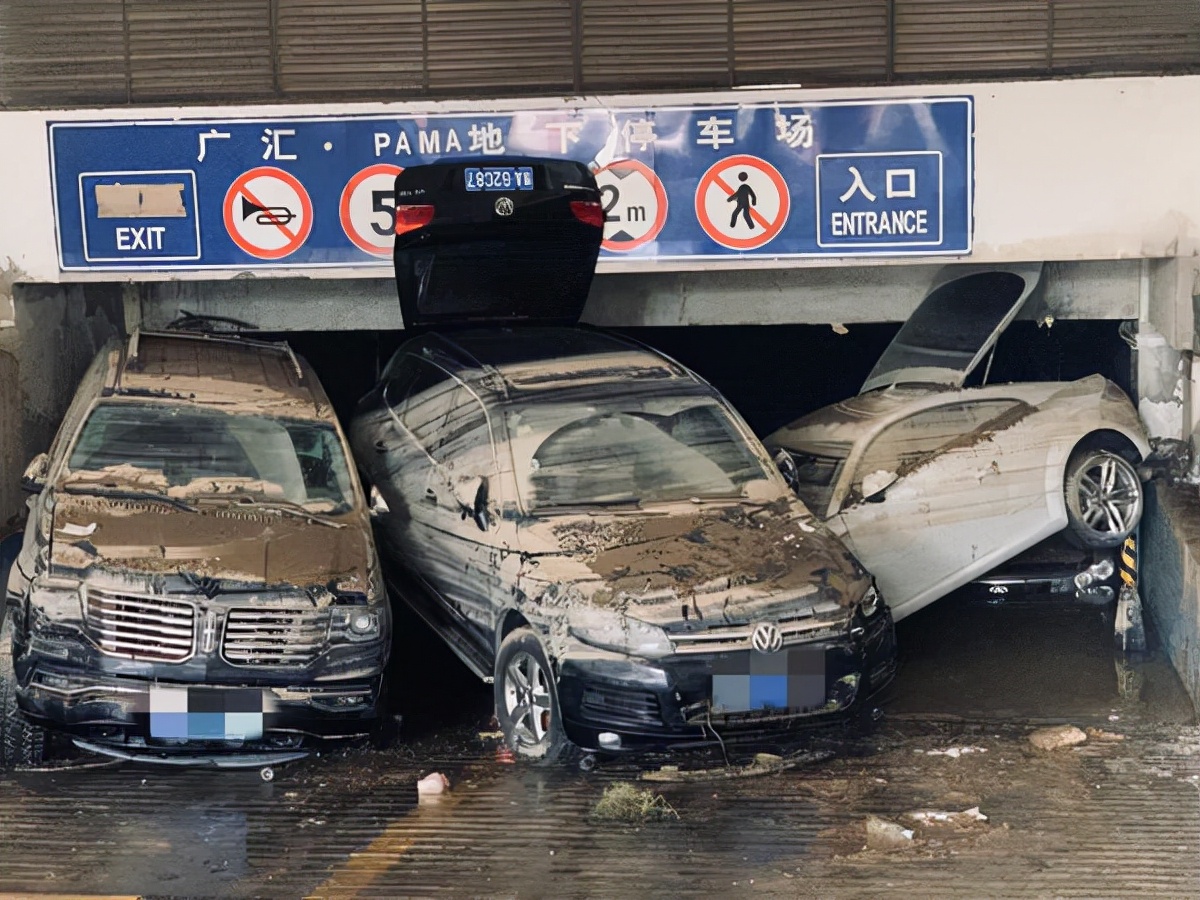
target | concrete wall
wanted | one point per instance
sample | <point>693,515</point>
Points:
<point>1170,576</point>
<point>45,347</point>
<point>1098,168</point>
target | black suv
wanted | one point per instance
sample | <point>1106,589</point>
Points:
<point>197,580</point>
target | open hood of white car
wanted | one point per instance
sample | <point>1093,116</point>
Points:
<point>956,325</point>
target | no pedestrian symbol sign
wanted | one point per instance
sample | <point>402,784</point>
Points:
<point>268,213</point>
<point>635,205</point>
<point>742,202</point>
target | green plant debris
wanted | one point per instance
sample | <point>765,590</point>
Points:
<point>625,802</point>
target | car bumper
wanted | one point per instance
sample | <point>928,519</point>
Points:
<point>614,703</point>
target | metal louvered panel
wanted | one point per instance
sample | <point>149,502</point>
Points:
<point>74,54</point>
<point>967,36</point>
<point>354,48</point>
<point>799,41</point>
<point>1090,34</point>
<point>655,43</point>
<point>216,48</point>
<point>494,44</point>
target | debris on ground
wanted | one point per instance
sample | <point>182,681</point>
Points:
<point>432,785</point>
<point>885,835</point>
<point>930,816</point>
<point>625,802</point>
<point>763,764</point>
<point>491,735</point>
<point>1099,734</point>
<point>954,752</point>
<point>1057,736</point>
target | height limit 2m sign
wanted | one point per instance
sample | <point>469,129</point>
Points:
<point>682,183</point>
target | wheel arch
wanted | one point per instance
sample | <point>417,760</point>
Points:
<point>1107,439</point>
<point>510,622</point>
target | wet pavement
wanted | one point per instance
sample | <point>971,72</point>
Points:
<point>1110,818</point>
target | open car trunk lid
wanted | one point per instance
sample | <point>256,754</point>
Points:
<point>498,240</point>
<point>956,325</point>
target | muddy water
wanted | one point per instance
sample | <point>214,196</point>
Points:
<point>1111,818</point>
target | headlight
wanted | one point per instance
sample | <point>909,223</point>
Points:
<point>57,598</point>
<point>356,623</point>
<point>869,604</point>
<point>611,630</point>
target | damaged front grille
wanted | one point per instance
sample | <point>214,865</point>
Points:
<point>609,705</point>
<point>274,637</point>
<point>801,629</point>
<point>156,629</point>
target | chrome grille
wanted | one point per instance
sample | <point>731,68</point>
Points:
<point>793,630</point>
<point>158,629</point>
<point>274,637</point>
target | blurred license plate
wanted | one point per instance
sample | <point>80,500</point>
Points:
<point>500,178</point>
<point>207,714</point>
<point>793,679</point>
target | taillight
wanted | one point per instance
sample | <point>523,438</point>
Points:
<point>410,218</point>
<point>589,212</point>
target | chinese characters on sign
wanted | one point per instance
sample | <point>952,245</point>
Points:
<point>715,182</point>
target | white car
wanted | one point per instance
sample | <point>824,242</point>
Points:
<point>933,484</point>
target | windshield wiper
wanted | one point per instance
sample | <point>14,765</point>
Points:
<point>284,506</point>
<point>126,494</point>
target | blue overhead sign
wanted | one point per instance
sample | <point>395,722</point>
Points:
<point>689,183</point>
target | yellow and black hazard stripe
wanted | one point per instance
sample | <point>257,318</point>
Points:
<point>1128,562</point>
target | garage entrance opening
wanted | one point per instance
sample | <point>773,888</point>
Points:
<point>771,374</point>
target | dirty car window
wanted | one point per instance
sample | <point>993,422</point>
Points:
<point>625,450</point>
<point>195,451</point>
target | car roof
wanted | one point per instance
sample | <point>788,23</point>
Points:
<point>535,358</point>
<point>235,373</point>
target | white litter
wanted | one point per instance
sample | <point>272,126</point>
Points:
<point>433,784</point>
<point>954,752</point>
<point>885,835</point>
<point>965,817</point>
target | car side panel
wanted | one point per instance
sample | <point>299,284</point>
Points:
<point>958,515</point>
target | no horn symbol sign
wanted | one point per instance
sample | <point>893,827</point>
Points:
<point>268,213</point>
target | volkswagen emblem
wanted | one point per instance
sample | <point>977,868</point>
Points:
<point>766,638</point>
<point>504,206</point>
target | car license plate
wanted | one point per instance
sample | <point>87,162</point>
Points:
<point>757,682</point>
<point>500,178</point>
<point>207,713</point>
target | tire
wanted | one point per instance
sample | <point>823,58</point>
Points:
<point>21,742</point>
<point>527,700</point>
<point>1104,498</point>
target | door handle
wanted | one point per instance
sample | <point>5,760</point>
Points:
<point>430,495</point>
<point>380,447</point>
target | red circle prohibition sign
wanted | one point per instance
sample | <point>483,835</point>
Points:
<point>660,198</point>
<point>714,178</point>
<point>360,240</point>
<point>267,215</point>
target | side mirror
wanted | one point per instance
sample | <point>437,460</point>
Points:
<point>34,479</point>
<point>787,468</point>
<point>377,506</point>
<point>876,485</point>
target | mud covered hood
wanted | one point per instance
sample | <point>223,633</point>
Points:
<point>732,563</point>
<point>242,545</point>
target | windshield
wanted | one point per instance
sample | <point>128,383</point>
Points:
<point>817,471</point>
<point>186,451</point>
<point>629,449</point>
